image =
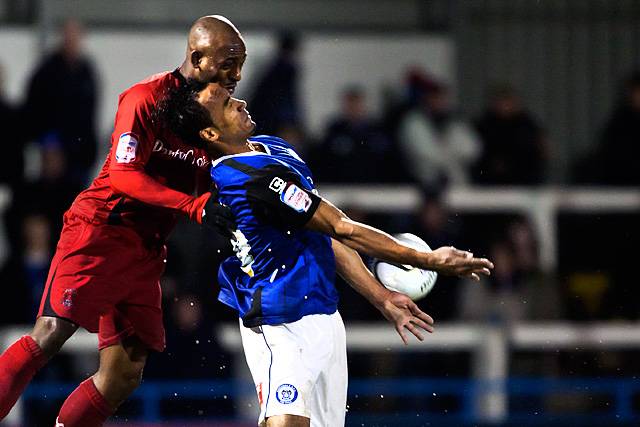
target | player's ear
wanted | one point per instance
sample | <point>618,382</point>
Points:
<point>210,134</point>
<point>195,58</point>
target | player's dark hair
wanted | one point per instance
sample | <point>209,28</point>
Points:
<point>180,112</point>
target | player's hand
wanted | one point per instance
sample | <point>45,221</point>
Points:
<point>218,216</point>
<point>450,261</point>
<point>405,315</point>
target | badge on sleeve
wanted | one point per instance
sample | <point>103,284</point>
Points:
<point>127,146</point>
<point>296,198</point>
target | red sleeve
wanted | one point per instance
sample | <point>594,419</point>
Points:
<point>131,147</point>
<point>133,136</point>
<point>140,186</point>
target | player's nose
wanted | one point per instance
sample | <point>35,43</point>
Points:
<point>235,74</point>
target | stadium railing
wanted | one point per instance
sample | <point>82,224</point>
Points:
<point>539,204</point>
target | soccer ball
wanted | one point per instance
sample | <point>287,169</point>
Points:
<point>411,281</point>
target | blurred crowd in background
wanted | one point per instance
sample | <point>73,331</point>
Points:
<point>420,139</point>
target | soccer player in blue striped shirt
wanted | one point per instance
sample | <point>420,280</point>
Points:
<point>289,244</point>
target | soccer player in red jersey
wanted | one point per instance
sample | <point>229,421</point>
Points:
<point>105,273</point>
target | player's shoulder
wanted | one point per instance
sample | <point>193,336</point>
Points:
<point>149,90</point>
<point>277,147</point>
<point>239,167</point>
<point>270,141</point>
<point>244,162</point>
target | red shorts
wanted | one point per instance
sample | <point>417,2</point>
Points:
<point>105,279</point>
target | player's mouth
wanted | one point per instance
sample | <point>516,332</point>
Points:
<point>230,88</point>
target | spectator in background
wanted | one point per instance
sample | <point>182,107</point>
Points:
<point>11,178</point>
<point>34,217</point>
<point>191,335</point>
<point>11,166</point>
<point>620,142</point>
<point>53,192</point>
<point>275,102</point>
<point>36,256</point>
<point>354,149</point>
<point>514,151</point>
<point>61,104</point>
<point>439,148</point>
<point>516,289</point>
<point>11,163</point>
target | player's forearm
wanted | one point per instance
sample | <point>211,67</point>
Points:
<point>365,239</point>
<point>140,186</point>
<point>380,245</point>
<point>350,267</point>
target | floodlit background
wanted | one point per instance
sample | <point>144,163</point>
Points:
<point>511,128</point>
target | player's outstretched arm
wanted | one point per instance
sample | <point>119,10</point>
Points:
<point>366,239</point>
<point>397,308</point>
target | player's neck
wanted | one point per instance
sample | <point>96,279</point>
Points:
<point>240,147</point>
<point>249,146</point>
<point>186,70</point>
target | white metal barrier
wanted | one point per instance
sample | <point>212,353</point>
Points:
<point>539,205</point>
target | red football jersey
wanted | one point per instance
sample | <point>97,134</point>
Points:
<point>139,145</point>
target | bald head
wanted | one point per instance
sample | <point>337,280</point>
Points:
<point>215,52</point>
<point>207,29</point>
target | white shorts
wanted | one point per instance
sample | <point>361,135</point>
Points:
<point>300,368</point>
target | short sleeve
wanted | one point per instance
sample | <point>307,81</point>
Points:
<point>132,140</point>
<point>277,197</point>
